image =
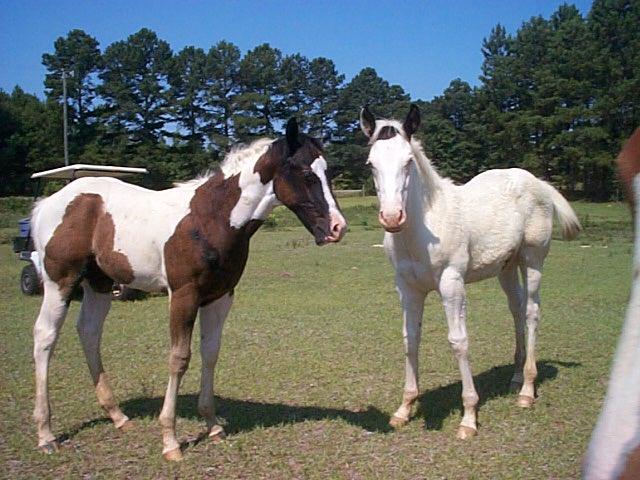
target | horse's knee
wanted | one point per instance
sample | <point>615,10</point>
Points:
<point>179,362</point>
<point>44,337</point>
<point>517,311</point>
<point>459,345</point>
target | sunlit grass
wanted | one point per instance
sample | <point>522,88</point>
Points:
<point>312,366</point>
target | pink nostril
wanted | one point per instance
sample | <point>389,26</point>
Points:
<point>337,228</point>
<point>401,218</point>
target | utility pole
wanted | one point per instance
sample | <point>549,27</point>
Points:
<point>65,75</point>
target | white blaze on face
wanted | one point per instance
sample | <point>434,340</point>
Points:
<point>390,161</point>
<point>319,167</point>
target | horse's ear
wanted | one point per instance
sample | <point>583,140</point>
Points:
<point>292,135</point>
<point>412,122</point>
<point>367,121</point>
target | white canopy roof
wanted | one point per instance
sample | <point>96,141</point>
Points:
<point>81,170</point>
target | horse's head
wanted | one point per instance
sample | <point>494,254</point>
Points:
<point>390,158</point>
<point>301,184</point>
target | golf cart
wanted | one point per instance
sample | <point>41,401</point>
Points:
<point>30,282</point>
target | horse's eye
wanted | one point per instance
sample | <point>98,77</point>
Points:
<point>308,175</point>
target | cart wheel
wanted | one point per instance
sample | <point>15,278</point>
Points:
<point>124,293</point>
<point>29,281</point>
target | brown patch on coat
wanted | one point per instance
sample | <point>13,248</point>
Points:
<point>632,467</point>
<point>629,164</point>
<point>69,248</point>
<point>268,163</point>
<point>206,255</point>
<point>82,247</point>
<point>114,264</point>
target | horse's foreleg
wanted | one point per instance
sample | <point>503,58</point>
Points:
<point>453,298</point>
<point>45,334</point>
<point>533,276</point>
<point>184,307</point>
<point>512,288</point>
<point>93,311</point>
<point>412,308</point>
<point>212,319</point>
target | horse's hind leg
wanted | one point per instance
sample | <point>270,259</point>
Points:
<point>510,284</point>
<point>533,260</point>
<point>45,335</point>
<point>93,311</point>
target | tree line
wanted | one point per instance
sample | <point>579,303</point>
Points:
<point>557,97</point>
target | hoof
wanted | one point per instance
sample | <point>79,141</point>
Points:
<point>126,426</point>
<point>50,447</point>
<point>465,432</point>
<point>217,435</point>
<point>174,455</point>
<point>515,387</point>
<point>525,401</point>
<point>397,422</point>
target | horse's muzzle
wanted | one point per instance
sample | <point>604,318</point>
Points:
<point>335,232</point>
<point>394,222</point>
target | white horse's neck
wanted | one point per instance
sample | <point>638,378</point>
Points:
<point>428,187</point>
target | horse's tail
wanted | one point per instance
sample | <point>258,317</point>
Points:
<point>568,219</point>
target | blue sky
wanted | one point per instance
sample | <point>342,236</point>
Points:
<point>420,45</point>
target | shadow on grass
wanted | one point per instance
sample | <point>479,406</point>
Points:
<point>436,405</point>
<point>243,415</point>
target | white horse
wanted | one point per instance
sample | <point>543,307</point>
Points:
<point>440,236</point>
<point>614,450</point>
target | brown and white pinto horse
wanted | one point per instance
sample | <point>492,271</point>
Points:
<point>192,240</point>
<point>614,450</point>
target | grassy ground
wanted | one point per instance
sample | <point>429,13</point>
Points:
<point>312,365</point>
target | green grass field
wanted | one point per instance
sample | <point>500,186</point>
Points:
<point>312,366</point>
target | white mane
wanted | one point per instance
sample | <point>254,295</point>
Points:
<point>233,162</point>
<point>242,155</point>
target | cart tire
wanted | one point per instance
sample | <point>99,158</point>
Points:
<point>125,294</point>
<point>29,280</point>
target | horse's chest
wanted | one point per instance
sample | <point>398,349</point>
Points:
<point>222,272</point>
<point>411,263</point>
<point>207,259</point>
